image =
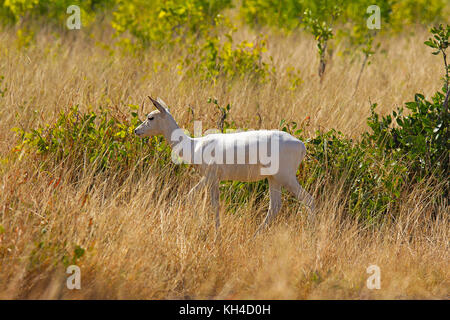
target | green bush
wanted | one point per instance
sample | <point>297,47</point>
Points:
<point>216,58</point>
<point>160,23</point>
<point>205,36</point>
<point>422,136</point>
<point>102,139</point>
<point>55,11</point>
<point>282,14</point>
<point>289,14</point>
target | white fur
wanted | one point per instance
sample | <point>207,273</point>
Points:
<point>291,151</point>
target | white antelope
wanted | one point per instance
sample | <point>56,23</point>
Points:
<point>243,161</point>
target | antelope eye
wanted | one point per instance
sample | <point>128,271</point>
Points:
<point>150,118</point>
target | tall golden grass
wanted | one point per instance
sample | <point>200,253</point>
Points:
<point>144,241</point>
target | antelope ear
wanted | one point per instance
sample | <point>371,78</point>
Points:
<point>158,105</point>
<point>162,103</point>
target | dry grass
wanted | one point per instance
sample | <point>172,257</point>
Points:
<point>144,241</point>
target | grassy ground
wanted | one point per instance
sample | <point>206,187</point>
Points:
<point>143,240</point>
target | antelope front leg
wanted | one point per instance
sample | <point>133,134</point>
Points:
<point>214,185</point>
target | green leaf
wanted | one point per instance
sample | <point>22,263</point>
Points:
<point>78,252</point>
